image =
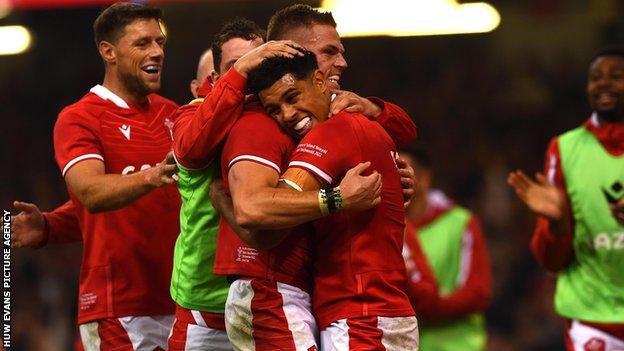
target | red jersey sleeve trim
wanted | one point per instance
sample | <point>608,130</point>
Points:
<point>317,171</point>
<point>81,158</point>
<point>257,159</point>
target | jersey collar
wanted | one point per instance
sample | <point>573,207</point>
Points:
<point>106,94</point>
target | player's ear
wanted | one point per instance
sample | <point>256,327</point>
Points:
<point>214,76</point>
<point>107,51</point>
<point>194,87</point>
<point>318,79</point>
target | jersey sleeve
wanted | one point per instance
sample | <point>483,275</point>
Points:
<point>397,123</point>
<point>474,290</point>
<point>76,138</point>
<point>61,225</point>
<point>553,252</point>
<point>201,126</point>
<point>328,150</point>
<point>257,138</point>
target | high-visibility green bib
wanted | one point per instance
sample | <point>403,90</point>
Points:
<point>591,288</point>
<point>193,285</point>
<point>441,242</point>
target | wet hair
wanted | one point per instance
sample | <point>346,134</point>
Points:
<point>611,51</point>
<point>296,16</point>
<point>111,23</point>
<point>237,28</point>
<point>274,68</point>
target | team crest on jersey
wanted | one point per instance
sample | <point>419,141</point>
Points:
<point>595,344</point>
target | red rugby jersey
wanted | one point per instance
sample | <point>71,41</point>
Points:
<point>256,137</point>
<point>359,269</point>
<point>127,255</point>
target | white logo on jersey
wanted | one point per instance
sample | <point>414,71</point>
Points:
<point>614,241</point>
<point>125,130</point>
<point>131,169</point>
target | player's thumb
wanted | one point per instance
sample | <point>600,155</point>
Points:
<point>169,159</point>
<point>541,178</point>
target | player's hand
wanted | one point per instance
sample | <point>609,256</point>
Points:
<point>164,173</point>
<point>253,59</point>
<point>618,211</point>
<point>539,195</point>
<point>352,102</point>
<point>28,226</point>
<point>361,192</point>
<point>408,180</point>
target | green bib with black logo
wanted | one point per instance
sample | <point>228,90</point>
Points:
<point>442,242</point>
<point>591,288</point>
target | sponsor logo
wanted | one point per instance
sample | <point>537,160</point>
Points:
<point>609,241</point>
<point>614,193</point>
<point>131,169</point>
<point>125,130</point>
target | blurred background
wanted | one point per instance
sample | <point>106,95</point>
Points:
<point>484,104</point>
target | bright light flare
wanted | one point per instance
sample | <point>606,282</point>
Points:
<point>398,18</point>
<point>14,40</point>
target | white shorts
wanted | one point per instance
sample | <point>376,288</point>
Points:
<point>143,333</point>
<point>263,315</point>
<point>581,337</point>
<point>371,333</point>
<point>198,331</point>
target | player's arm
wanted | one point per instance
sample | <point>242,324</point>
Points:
<point>397,123</point>
<point>547,197</point>
<point>202,126</point>
<point>99,192</point>
<point>259,204</point>
<point>475,280</point>
<point>34,229</point>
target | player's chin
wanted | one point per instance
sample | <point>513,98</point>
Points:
<point>152,86</point>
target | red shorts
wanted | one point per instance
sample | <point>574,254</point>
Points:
<point>371,333</point>
<point>127,333</point>
<point>263,315</point>
<point>581,337</point>
<point>198,331</point>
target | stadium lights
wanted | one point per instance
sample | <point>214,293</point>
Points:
<point>397,18</point>
<point>14,40</point>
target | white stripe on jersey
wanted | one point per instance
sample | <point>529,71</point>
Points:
<point>80,158</point>
<point>255,158</point>
<point>313,169</point>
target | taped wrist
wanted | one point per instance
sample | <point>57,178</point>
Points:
<point>330,200</point>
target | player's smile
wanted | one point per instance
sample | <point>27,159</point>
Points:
<point>298,105</point>
<point>152,71</point>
